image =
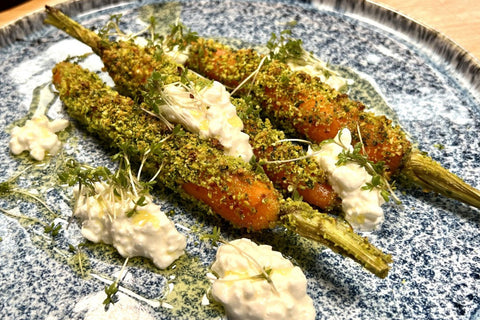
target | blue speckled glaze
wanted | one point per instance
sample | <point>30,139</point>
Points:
<point>432,86</point>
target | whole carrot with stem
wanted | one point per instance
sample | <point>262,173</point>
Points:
<point>298,102</point>
<point>195,168</point>
<point>303,105</point>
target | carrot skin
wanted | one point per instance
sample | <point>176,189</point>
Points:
<point>262,204</point>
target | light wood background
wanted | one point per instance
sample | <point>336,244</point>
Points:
<point>457,19</point>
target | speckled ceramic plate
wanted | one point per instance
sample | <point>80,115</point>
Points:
<point>432,86</point>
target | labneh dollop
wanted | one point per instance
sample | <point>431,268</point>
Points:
<point>37,136</point>
<point>147,232</point>
<point>255,282</point>
<point>362,208</point>
<point>209,113</point>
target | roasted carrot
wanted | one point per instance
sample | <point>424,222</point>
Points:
<point>300,103</point>
<point>131,66</point>
<point>303,105</point>
<point>196,169</point>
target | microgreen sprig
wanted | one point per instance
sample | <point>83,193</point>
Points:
<point>375,169</point>
<point>79,257</point>
<point>7,188</point>
<point>251,77</point>
<point>287,49</point>
<point>180,36</point>
<point>264,272</point>
<point>84,175</point>
<point>215,236</point>
<point>141,202</point>
<point>112,289</point>
<point>284,47</point>
<point>111,27</point>
<point>52,229</point>
<point>122,184</point>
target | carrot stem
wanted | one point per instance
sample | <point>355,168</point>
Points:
<point>431,176</point>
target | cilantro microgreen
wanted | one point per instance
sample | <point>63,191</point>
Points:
<point>141,202</point>
<point>178,131</point>
<point>122,185</point>
<point>52,229</point>
<point>288,49</point>
<point>112,289</point>
<point>375,169</point>
<point>180,36</point>
<point>214,236</point>
<point>112,297</point>
<point>284,47</point>
<point>111,25</point>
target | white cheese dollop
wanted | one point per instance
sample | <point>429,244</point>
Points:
<point>147,233</point>
<point>362,208</point>
<point>126,308</point>
<point>38,136</point>
<point>209,113</point>
<point>245,292</point>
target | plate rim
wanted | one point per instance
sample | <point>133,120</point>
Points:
<point>450,52</point>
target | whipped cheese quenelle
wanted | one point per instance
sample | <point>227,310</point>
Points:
<point>147,232</point>
<point>209,113</point>
<point>37,136</point>
<point>362,208</point>
<point>244,290</point>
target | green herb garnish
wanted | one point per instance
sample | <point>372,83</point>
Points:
<point>8,188</point>
<point>122,184</point>
<point>439,146</point>
<point>180,36</point>
<point>284,47</point>
<point>214,236</point>
<point>52,229</point>
<point>112,289</point>
<point>376,170</point>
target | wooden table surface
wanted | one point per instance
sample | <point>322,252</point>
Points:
<point>457,19</point>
